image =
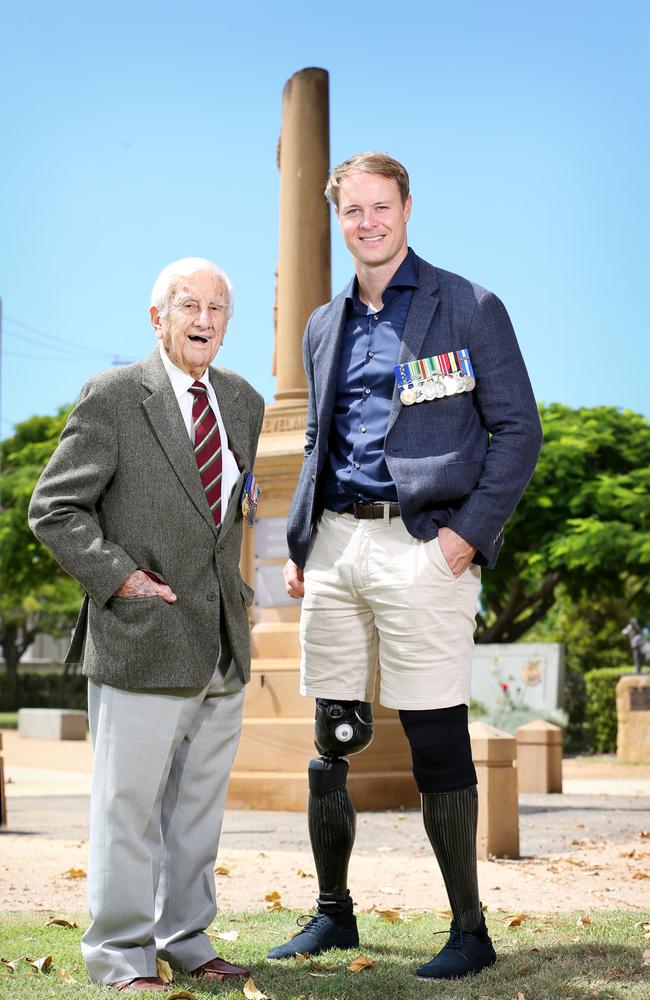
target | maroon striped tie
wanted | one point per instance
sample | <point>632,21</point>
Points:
<point>207,448</point>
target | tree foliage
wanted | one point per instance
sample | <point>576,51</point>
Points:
<point>583,526</point>
<point>35,594</point>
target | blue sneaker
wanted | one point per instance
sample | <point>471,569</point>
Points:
<point>464,955</point>
<point>319,934</point>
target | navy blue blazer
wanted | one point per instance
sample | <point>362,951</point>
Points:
<point>462,461</point>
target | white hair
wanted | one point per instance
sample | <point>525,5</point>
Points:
<point>166,280</point>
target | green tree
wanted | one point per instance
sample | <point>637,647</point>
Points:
<point>35,594</point>
<point>582,529</point>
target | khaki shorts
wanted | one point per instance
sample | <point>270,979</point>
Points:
<point>373,593</point>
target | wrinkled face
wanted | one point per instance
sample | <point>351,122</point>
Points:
<point>193,328</point>
<point>373,219</point>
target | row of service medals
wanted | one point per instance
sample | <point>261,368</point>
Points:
<point>250,499</point>
<point>435,377</point>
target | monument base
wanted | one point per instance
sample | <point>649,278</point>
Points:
<point>633,711</point>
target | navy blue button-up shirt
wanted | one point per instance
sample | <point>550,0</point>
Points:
<point>371,342</point>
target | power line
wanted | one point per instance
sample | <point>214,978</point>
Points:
<point>50,337</point>
<point>89,353</point>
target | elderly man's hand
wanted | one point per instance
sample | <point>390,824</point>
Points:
<point>457,552</point>
<point>294,580</point>
<point>140,585</point>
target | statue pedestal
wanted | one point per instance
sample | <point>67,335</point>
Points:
<point>633,711</point>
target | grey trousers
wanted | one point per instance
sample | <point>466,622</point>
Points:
<point>162,762</point>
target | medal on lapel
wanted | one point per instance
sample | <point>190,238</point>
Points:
<point>250,499</point>
<point>432,378</point>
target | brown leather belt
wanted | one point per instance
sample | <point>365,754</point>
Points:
<point>372,510</point>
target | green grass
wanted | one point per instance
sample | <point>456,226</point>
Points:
<point>547,958</point>
<point>8,720</point>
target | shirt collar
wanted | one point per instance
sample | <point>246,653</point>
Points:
<point>179,379</point>
<point>406,276</point>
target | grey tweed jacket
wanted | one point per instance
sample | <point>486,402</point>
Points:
<point>122,492</point>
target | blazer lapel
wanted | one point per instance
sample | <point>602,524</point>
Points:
<point>421,312</point>
<point>236,421</point>
<point>326,357</point>
<point>164,415</point>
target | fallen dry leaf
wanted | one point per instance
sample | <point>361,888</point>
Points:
<point>61,922</point>
<point>182,995</point>
<point>644,834</point>
<point>393,915</point>
<point>520,995</point>
<point>64,976</point>
<point>361,963</point>
<point>581,826</point>
<point>641,874</point>
<point>321,968</point>
<point>271,896</point>
<point>251,991</point>
<point>227,935</point>
<point>628,854</point>
<point>516,921</point>
<point>444,914</point>
<point>305,874</point>
<point>645,956</point>
<point>401,816</point>
<point>73,873</point>
<point>301,959</point>
<point>222,870</point>
<point>164,970</point>
<point>275,905</point>
<point>584,921</point>
<point>386,849</point>
<point>40,964</point>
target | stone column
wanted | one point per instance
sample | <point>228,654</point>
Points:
<point>539,757</point>
<point>494,753</point>
<point>304,277</point>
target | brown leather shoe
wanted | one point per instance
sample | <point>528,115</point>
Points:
<point>217,969</point>
<point>144,983</point>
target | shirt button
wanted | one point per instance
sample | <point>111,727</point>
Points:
<point>367,392</point>
<point>211,596</point>
<point>371,354</point>
<point>356,465</point>
<point>363,430</point>
<point>376,316</point>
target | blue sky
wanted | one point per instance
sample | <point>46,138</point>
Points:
<point>136,133</point>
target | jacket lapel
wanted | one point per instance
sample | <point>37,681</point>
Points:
<point>326,356</point>
<point>421,312</point>
<point>165,418</point>
<point>235,419</point>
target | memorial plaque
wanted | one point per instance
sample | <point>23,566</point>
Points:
<point>271,538</point>
<point>269,587</point>
<point>529,674</point>
<point>640,699</point>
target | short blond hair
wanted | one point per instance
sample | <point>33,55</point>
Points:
<point>367,163</point>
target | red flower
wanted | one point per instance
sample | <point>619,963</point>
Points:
<point>503,686</point>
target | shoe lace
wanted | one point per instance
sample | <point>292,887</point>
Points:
<point>455,941</point>
<point>309,920</point>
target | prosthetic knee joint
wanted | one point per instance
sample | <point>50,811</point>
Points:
<point>342,728</point>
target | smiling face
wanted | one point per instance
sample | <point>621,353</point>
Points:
<point>193,326</point>
<point>373,219</point>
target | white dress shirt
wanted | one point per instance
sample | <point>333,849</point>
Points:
<point>181,383</point>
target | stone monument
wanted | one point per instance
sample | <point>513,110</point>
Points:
<point>278,732</point>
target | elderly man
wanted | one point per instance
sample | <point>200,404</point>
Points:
<point>422,433</point>
<point>142,503</point>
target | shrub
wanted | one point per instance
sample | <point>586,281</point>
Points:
<point>53,689</point>
<point>600,707</point>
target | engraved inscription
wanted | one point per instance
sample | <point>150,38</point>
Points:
<point>275,424</point>
<point>640,699</point>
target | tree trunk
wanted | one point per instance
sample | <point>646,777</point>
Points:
<point>12,654</point>
<point>509,625</point>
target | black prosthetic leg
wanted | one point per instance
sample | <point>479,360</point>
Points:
<point>341,728</point>
<point>332,826</point>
